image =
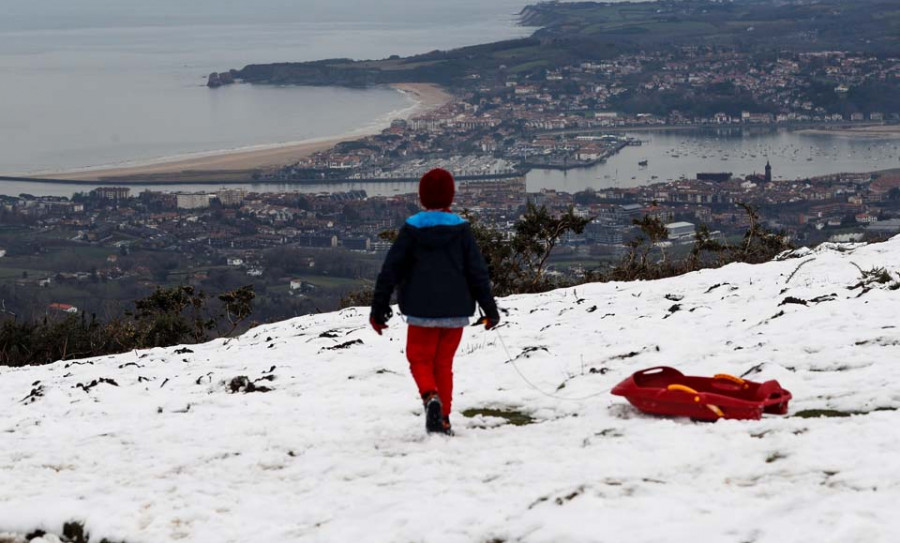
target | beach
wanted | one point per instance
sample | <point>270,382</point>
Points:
<point>428,97</point>
<point>874,131</point>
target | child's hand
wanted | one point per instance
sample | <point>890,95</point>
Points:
<point>377,326</point>
<point>489,322</point>
<point>378,319</point>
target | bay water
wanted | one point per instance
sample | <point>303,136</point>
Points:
<point>88,83</point>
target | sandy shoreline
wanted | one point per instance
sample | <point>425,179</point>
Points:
<point>879,131</point>
<point>428,97</point>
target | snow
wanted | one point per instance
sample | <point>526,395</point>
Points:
<point>337,450</point>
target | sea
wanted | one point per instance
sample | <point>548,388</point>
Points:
<point>93,83</point>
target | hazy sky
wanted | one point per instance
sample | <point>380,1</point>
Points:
<point>58,14</point>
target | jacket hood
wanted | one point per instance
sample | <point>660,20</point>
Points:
<point>426,219</point>
<point>436,228</point>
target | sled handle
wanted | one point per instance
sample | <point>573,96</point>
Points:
<point>732,378</point>
<point>659,370</point>
<point>683,388</point>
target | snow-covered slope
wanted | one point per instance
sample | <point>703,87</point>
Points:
<point>336,450</point>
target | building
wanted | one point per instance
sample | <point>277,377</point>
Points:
<point>63,308</point>
<point>627,212</point>
<point>602,232</point>
<point>381,247</point>
<point>717,177</point>
<point>111,193</point>
<point>192,200</point>
<point>302,286</point>
<point>768,172</point>
<point>891,226</point>
<point>231,198</point>
<point>357,244</point>
<point>680,230</point>
<point>323,241</point>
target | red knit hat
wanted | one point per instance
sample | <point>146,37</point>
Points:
<point>436,189</point>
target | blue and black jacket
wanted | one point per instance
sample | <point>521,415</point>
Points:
<point>437,268</point>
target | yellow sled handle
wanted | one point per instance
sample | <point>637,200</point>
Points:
<point>682,388</point>
<point>732,378</point>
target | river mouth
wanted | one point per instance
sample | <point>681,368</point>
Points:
<point>672,154</point>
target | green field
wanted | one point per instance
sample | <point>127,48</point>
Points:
<point>10,273</point>
<point>529,66</point>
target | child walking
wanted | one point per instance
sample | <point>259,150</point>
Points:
<point>440,273</point>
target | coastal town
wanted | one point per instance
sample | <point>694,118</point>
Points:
<point>570,116</point>
<point>303,252</point>
<point>308,250</point>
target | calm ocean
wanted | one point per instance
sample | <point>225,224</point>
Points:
<point>93,82</point>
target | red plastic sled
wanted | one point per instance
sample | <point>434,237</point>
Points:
<point>666,391</point>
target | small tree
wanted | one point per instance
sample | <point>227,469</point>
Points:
<point>759,244</point>
<point>237,306</point>
<point>361,297</point>
<point>517,263</point>
<point>171,316</point>
<point>636,264</point>
<point>704,243</point>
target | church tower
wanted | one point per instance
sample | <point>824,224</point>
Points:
<point>768,172</point>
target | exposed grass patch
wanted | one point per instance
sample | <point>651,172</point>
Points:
<point>512,416</point>
<point>835,413</point>
<point>72,532</point>
<point>243,384</point>
<point>819,413</point>
<point>774,457</point>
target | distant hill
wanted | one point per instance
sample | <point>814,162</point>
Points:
<point>571,32</point>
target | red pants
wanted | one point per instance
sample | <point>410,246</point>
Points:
<point>430,353</point>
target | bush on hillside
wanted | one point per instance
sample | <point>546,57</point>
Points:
<point>169,316</point>
<point>517,263</point>
<point>646,257</point>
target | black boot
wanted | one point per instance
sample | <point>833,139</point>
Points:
<point>445,423</point>
<point>433,407</point>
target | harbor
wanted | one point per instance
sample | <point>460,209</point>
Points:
<point>662,156</point>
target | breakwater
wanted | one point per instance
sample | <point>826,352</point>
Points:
<point>214,181</point>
